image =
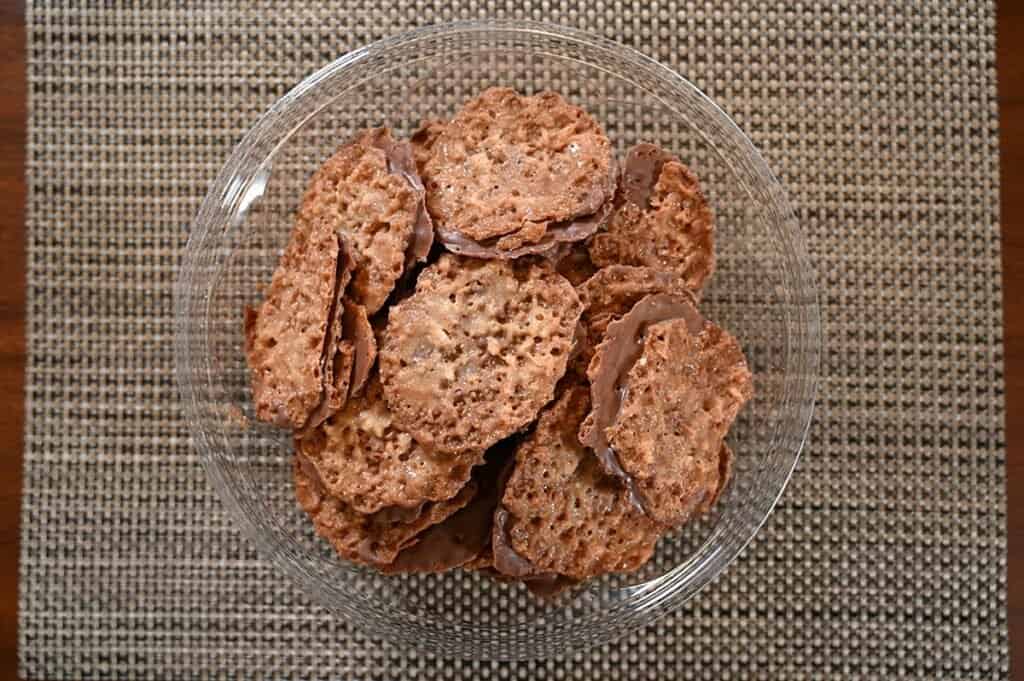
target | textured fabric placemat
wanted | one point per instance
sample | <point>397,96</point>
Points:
<point>887,555</point>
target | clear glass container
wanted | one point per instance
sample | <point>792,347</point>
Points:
<point>762,291</point>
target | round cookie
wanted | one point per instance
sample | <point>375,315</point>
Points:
<point>661,219</point>
<point>474,354</point>
<point>368,192</point>
<point>508,167</point>
<point>369,463</point>
<point>666,386</point>
<point>374,539</point>
<point>287,337</point>
<point>565,515</point>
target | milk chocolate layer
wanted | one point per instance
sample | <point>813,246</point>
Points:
<point>551,245</point>
<point>357,330</point>
<point>465,535</point>
<point>401,162</point>
<point>507,560</point>
<point>609,370</point>
<point>640,173</point>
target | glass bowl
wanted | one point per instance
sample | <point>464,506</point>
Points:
<point>762,292</point>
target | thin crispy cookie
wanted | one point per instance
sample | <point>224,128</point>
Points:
<point>339,353</point>
<point>287,337</point>
<point>671,411</point>
<point>365,192</point>
<point>365,460</point>
<point>508,166</point>
<point>374,539</point>
<point>565,515</point>
<point>476,351</point>
<point>661,219</point>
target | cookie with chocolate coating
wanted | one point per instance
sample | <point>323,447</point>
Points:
<point>666,385</point>
<point>661,220</point>
<point>367,461</point>
<point>613,291</point>
<point>512,174</point>
<point>370,192</point>
<point>287,337</point>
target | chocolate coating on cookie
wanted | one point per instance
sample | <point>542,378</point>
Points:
<point>550,245</point>
<point>507,168</point>
<point>401,161</point>
<point>463,538</point>
<point>339,353</point>
<point>475,353</point>
<point>613,291</point>
<point>359,332</point>
<point>640,174</point>
<point>661,220</point>
<point>337,377</point>
<point>609,373</point>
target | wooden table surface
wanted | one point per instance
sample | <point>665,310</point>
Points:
<point>1010,65</point>
<point>12,310</point>
<point>12,319</point>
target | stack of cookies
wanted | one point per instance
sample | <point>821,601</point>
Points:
<point>487,344</point>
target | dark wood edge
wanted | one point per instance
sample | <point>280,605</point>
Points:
<point>12,317</point>
<point>1010,65</point>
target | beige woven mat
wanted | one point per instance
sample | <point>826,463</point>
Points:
<point>887,555</point>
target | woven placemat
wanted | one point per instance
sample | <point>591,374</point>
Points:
<point>887,555</point>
